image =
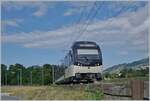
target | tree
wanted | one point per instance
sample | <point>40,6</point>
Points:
<point>47,69</point>
<point>107,75</point>
<point>16,74</point>
<point>123,73</point>
<point>3,74</point>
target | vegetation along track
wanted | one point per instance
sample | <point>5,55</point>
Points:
<point>100,90</point>
<point>122,90</point>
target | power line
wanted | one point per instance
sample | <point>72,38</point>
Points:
<point>88,23</point>
<point>88,18</point>
<point>78,22</point>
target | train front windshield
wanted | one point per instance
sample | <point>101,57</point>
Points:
<point>88,57</point>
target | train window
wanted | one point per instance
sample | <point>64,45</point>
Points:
<point>87,51</point>
<point>87,45</point>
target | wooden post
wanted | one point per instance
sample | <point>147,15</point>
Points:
<point>137,87</point>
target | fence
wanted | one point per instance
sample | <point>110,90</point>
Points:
<point>135,89</point>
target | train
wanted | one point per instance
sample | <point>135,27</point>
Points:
<point>82,64</point>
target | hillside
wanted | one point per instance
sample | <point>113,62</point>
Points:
<point>134,65</point>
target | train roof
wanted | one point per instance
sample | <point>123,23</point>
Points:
<point>82,43</point>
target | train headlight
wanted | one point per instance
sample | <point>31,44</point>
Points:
<point>98,64</point>
<point>77,75</point>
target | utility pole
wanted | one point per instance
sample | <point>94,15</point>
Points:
<point>20,72</point>
<point>53,74</point>
<point>20,76</point>
<point>42,77</point>
<point>6,77</point>
<point>30,77</point>
<point>15,75</point>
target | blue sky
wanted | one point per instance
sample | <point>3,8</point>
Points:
<point>35,33</point>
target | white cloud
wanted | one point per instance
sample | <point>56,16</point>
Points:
<point>71,12</point>
<point>124,53</point>
<point>41,11</point>
<point>10,23</point>
<point>41,7</point>
<point>122,32</point>
<point>13,22</point>
<point>78,7</point>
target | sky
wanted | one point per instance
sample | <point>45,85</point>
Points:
<point>35,33</point>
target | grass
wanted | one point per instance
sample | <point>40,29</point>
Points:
<point>53,92</point>
<point>61,92</point>
<point>95,95</point>
<point>124,80</point>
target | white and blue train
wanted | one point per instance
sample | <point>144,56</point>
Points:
<point>82,64</point>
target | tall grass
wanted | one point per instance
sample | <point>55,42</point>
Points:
<point>95,95</point>
<point>53,92</point>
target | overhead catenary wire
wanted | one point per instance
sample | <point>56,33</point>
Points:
<point>87,18</point>
<point>76,30</point>
<point>88,22</point>
<point>77,22</point>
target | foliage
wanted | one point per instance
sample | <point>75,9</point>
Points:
<point>128,73</point>
<point>132,65</point>
<point>33,75</point>
<point>3,74</point>
<point>53,92</point>
<point>95,95</point>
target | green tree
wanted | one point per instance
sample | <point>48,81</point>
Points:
<point>16,74</point>
<point>123,73</point>
<point>47,69</point>
<point>36,74</point>
<point>107,75</point>
<point>3,74</point>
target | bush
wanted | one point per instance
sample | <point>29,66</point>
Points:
<point>95,95</point>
